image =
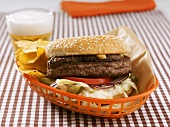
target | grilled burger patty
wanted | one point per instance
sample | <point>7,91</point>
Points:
<point>88,66</point>
<point>82,58</point>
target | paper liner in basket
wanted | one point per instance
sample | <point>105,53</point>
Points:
<point>140,57</point>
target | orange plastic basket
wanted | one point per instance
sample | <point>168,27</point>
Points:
<point>107,108</point>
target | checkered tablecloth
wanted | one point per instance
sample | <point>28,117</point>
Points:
<point>20,106</point>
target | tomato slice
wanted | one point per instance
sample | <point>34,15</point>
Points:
<point>90,81</point>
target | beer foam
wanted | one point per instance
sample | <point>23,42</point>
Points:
<point>30,22</point>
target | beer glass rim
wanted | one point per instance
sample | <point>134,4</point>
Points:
<point>48,11</point>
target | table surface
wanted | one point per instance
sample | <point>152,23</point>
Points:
<point>20,106</point>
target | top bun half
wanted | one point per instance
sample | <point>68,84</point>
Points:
<point>87,45</point>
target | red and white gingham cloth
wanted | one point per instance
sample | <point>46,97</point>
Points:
<point>20,106</point>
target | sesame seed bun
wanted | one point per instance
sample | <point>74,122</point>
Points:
<point>87,45</point>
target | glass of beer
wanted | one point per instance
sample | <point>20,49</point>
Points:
<point>30,24</point>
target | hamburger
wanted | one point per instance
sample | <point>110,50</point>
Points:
<point>92,66</point>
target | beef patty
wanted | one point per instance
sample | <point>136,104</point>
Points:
<point>88,66</point>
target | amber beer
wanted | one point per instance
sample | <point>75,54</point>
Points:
<point>29,24</point>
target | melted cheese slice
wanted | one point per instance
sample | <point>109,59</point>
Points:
<point>101,56</point>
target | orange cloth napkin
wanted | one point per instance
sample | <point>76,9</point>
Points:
<point>79,9</point>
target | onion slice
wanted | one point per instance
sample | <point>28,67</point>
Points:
<point>105,86</point>
<point>54,84</point>
<point>118,80</point>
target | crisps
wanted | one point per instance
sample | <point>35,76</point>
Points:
<point>31,72</point>
<point>30,46</point>
<point>30,57</point>
<point>39,64</point>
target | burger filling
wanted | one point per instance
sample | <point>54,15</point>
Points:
<point>122,90</point>
<point>115,69</point>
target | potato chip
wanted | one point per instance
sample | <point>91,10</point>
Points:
<point>30,46</point>
<point>31,72</point>
<point>40,63</point>
<point>29,57</point>
<point>23,44</point>
<point>18,52</point>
